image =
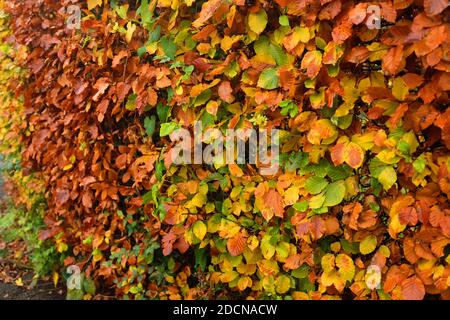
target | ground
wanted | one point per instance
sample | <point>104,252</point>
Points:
<point>16,277</point>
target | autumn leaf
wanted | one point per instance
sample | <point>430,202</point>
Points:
<point>368,244</point>
<point>413,289</point>
<point>257,21</point>
<point>273,202</point>
<point>268,79</point>
<point>312,62</point>
<point>434,7</point>
<point>199,229</point>
<point>226,92</point>
<point>92,4</point>
<point>208,10</point>
<point>322,132</point>
<point>237,244</point>
<point>393,60</point>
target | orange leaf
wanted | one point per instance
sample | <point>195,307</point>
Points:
<point>354,155</point>
<point>413,289</point>
<point>434,7</point>
<point>273,202</point>
<point>392,61</point>
<point>237,244</point>
<point>208,10</point>
<point>226,92</point>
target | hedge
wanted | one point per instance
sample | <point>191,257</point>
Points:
<point>359,207</point>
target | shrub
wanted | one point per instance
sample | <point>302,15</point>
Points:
<point>359,207</point>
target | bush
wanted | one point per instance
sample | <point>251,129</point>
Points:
<point>359,206</point>
<point>22,218</point>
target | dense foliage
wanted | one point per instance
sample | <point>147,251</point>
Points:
<point>23,210</point>
<point>360,206</point>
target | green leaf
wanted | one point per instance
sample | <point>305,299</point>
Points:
<point>317,201</point>
<point>169,47</point>
<point>267,248</point>
<point>149,125</point>
<point>301,272</point>
<point>89,286</point>
<point>284,21</point>
<point>163,112</point>
<point>349,247</point>
<point>160,168</point>
<point>122,11</point>
<point>75,294</point>
<point>268,79</point>
<point>368,244</point>
<point>387,177</point>
<point>168,128</point>
<point>145,13</point>
<point>419,165</point>
<point>131,102</point>
<point>294,161</point>
<point>288,107</point>
<point>278,54</point>
<point>339,172</point>
<point>334,194</point>
<point>301,206</point>
<point>201,257</point>
<point>315,185</point>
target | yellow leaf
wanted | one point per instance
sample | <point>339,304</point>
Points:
<point>368,244</point>
<point>55,278</point>
<point>399,89</point>
<point>19,282</point>
<point>282,284</point>
<point>199,230</point>
<point>229,276</point>
<point>93,4</point>
<point>346,266</point>
<point>199,200</point>
<point>291,195</point>
<point>252,242</point>
<point>303,34</point>
<point>244,283</point>
<point>131,27</point>
<point>257,21</point>
<point>227,42</point>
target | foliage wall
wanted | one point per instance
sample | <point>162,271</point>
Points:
<point>21,193</point>
<point>359,208</point>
